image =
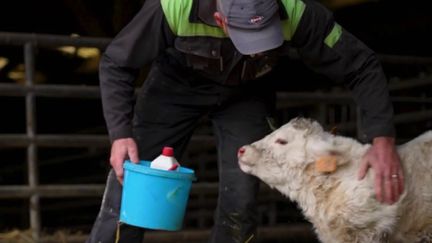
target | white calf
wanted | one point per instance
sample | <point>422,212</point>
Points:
<point>342,208</point>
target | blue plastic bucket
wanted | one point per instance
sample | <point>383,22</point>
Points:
<point>154,199</point>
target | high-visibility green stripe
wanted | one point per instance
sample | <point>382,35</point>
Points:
<point>177,14</point>
<point>334,36</point>
<point>295,10</point>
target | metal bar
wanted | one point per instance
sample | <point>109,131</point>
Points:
<point>55,91</point>
<point>410,83</point>
<point>342,98</point>
<point>91,190</point>
<point>29,61</point>
<point>86,91</point>
<point>51,191</point>
<point>424,100</point>
<point>386,58</point>
<point>46,40</point>
<point>61,140</point>
<point>411,60</point>
<point>71,140</point>
<point>398,119</point>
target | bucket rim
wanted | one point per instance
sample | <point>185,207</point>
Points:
<point>143,166</point>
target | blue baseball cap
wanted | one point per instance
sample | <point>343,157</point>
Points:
<point>254,26</point>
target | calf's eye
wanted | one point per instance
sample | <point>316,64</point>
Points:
<point>281,141</point>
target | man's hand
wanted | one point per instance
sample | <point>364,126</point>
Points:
<point>384,159</point>
<point>121,150</point>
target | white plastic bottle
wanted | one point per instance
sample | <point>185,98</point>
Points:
<point>165,161</point>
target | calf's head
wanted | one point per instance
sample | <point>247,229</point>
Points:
<point>288,152</point>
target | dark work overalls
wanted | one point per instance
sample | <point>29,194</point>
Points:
<point>196,71</point>
<point>166,114</point>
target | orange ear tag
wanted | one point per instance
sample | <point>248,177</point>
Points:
<point>326,164</point>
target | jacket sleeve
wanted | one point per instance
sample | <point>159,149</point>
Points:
<point>137,44</point>
<point>329,49</point>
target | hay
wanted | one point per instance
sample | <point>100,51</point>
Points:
<point>25,236</point>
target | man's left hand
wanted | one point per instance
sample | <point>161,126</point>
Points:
<point>384,159</point>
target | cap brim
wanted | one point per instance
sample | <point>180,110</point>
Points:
<point>249,41</point>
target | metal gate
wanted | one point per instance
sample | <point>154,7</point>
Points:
<point>32,141</point>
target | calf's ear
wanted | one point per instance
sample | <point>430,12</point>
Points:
<point>330,162</point>
<point>326,163</point>
<point>327,153</point>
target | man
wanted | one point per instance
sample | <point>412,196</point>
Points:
<point>211,58</point>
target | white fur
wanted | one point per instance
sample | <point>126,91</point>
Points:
<point>341,207</point>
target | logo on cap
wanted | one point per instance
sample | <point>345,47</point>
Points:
<point>256,19</point>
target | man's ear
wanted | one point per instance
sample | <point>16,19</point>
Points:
<point>219,19</point>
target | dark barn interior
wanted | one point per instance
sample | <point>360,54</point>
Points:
<point>53,140</point>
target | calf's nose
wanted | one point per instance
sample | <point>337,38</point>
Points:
<point>241,151</point>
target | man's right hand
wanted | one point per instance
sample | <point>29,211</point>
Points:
<point>122,149</point>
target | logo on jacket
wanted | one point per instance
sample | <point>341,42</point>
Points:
<point>256,19</point>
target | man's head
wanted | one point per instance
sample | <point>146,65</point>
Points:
<point>253,25</point>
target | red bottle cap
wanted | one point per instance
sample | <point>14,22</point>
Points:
<point>174,167</point>
<point>168,151</point>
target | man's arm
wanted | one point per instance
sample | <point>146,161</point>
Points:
<point>329,49</point>
<point>138,44</point>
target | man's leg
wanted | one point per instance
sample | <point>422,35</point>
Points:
<point>163,117</point>
<point>237,123</point>
<point>105,227</point>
